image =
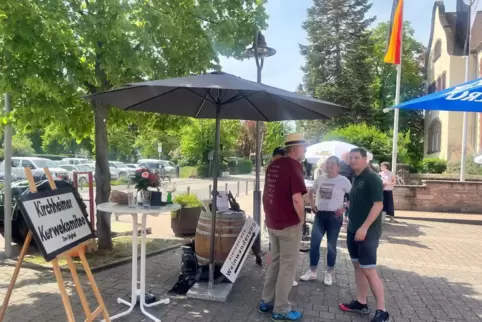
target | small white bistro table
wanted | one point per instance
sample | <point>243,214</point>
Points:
<point>152,211</point>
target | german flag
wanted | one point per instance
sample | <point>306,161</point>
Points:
<point>394,46</point>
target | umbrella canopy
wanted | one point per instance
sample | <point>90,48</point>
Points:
<point>220,96</point>
<point>461,98</point>
<point>198,96</point>
<point>326,149</point>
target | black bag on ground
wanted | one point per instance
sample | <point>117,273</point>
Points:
<point>189,269</point>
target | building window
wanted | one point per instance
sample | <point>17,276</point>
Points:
<point>437,50</point>
<point>443,81</point>
<point>434,136</point>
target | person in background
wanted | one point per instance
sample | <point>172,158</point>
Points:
<point>330,193</point>
<point>345,168</point>
<point>372,167</point>
<point>389,180</point>
<point>278,152</point>
<point>363,236</point>
<point>308,167</point>
<point>347,172</point>
<point>284,212</point>
<point>320,169</point>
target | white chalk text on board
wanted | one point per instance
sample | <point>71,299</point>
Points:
<point>56,220</point>
<point>238,254</point>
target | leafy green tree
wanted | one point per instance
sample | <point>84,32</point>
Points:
<point>21,146</point>
<point>274,137</point>
<point>376,141</point>
<point>365,136</point>
<point>68,48</point>
<point>247,139</point>
<point>337,56</point>
<point>197,139</point>
<point>163,129</point>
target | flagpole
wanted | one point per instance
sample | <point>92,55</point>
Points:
<point>396,114</point>
<point>464,129</point>
<point>466,115</point>
<point>396,117</point>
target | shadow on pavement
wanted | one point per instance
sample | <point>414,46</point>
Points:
<point>410,296</point>
<point>445,220</point>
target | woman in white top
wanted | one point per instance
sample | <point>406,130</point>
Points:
<point>389,179</point>
<point>330,190</point>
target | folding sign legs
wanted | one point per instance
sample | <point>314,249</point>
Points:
<point>23,252</point>
<point>90,316</point>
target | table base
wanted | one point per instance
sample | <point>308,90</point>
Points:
<point>133,303</point>
<point>219,292</point>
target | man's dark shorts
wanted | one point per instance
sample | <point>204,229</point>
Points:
<point>364,252</point>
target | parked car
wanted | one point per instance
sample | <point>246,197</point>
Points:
<point>167,169</point>
<point>114,172</point>
<point>133,166</point>
<point>82,179</point>
<point>19,226</point>
<point>121,168</point>
<point>37,165</point>
<point>73,161</point>
<point>15,177</point>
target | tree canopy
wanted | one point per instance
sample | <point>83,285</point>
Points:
<point>55,51</point>
<point>344,64</point>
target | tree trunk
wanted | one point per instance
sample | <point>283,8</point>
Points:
<point>102,174</point>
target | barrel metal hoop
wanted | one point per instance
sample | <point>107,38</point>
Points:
<point>208,233</point>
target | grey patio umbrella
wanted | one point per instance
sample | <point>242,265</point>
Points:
<point>220,96</point>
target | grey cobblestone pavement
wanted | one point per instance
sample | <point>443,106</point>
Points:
<point>432,272</point>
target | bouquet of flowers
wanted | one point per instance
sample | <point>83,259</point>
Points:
<point>144,179</point>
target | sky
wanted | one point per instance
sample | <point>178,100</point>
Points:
<point>285,33</point>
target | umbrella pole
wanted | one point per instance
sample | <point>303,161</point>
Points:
<point>214,194</point>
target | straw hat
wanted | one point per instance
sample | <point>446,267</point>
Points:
<point>295,139</point>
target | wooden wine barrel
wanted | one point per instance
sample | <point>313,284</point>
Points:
<point>228,227</point>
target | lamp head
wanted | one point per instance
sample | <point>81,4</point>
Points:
<point>261,49</point>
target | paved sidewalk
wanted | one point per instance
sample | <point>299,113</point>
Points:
<point>432,272</point>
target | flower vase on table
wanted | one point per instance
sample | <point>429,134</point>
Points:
<point>145,179</point>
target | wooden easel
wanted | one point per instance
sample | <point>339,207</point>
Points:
<point>90,316</point>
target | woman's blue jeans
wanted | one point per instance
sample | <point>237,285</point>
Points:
<point>325,222</point>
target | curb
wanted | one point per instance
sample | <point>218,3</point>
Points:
<point>80,269</point>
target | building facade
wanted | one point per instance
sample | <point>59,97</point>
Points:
<point>443,130</point>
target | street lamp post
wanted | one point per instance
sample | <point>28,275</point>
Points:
<point>259,51</point>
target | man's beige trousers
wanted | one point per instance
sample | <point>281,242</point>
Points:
<point>285,245</point>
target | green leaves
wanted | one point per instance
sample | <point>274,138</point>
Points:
<point>344,64</point>
<point>54,51</point>
<point>197,139</point>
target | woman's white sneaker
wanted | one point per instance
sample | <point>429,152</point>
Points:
<point>309,276</point>
<point>295,283</point>
<point>328,278</point>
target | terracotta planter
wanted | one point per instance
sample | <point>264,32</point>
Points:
<point>185,221</point>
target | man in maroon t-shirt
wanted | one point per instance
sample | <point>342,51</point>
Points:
<point>284,212</point>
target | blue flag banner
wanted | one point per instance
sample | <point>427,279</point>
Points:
<point>461,98</point>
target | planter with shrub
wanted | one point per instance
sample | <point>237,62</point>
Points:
<point>184,221</point>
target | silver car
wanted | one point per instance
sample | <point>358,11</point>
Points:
<point>37,165</point>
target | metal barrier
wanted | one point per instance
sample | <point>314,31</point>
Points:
<point>226,188</point>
